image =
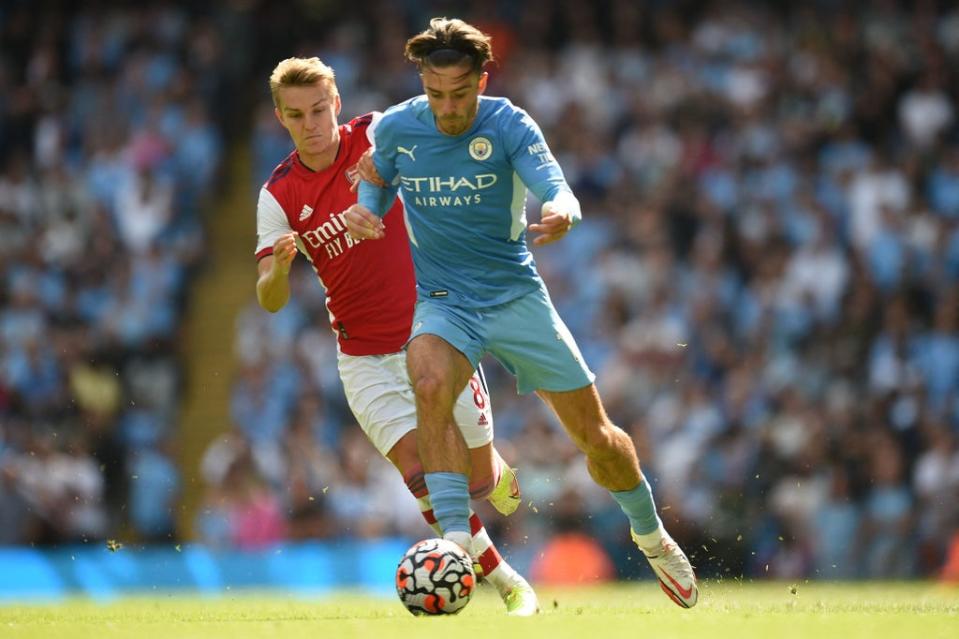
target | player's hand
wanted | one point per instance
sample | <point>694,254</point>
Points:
<point>362,224</point>
<point>366,169</point>
<point>284,250</point>
<point>553,225</point>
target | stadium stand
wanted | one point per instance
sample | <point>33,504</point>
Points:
<point>765,279</point>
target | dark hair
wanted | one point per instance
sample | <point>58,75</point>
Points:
<point>449,42</point>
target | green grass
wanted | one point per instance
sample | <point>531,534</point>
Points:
<point>727,610</point>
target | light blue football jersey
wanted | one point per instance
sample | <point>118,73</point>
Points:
<point>465,197</point>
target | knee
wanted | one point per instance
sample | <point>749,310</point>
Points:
<point>602,440</point>
<point>429,387</point>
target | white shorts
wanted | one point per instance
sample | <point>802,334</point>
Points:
<point>380,395</point>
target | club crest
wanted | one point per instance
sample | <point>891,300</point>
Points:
<point>480,148</point>
<point>352,174</point>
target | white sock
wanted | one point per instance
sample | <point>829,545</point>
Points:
<point>502,576</point>
<point>462,539</point>
<point>426,509</point>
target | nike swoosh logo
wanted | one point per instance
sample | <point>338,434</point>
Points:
<point>672,595</point>
<point>686,593</point>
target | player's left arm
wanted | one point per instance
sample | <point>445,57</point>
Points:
<point>365,167</point>
<point>377,195</point>
<point>541,173</point>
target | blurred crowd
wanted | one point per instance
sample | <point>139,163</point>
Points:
<point>765,281</point>
<point>107,154</point>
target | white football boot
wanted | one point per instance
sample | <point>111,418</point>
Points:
<point>672,568</point>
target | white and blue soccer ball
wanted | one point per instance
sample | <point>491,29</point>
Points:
<point>435,577</point>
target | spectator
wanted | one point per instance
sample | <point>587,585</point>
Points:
<point>766,286</point>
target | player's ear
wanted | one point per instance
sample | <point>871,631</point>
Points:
<point>339,104</point>
<point>279,116</point>
<point>481,87</point>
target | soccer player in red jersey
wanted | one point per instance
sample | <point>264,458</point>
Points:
<point>370,292</point>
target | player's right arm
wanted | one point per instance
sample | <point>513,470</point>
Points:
<point>275,250</point>
<point>364,219</point>
<point>366,170</point>
<point>273,283</point>
<point>363,224</point>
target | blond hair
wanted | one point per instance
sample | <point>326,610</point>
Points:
<point>300,72</point>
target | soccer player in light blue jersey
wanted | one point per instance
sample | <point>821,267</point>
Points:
<point>462,163</point>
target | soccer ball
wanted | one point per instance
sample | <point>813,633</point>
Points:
<point>435,577</point>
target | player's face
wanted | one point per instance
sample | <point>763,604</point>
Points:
<point>453,93</point>
<point>309,114</point>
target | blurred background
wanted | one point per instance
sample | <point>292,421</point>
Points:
<point>765,283</point>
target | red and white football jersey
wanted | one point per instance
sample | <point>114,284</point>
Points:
<point>370,285</point>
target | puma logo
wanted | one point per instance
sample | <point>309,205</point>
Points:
<point>409,152</point>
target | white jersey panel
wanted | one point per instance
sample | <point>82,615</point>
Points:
<point>271,222</point>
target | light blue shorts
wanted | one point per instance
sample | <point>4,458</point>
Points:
<point>526,335</point>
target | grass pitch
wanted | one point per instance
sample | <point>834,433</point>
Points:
<point>727,610</point>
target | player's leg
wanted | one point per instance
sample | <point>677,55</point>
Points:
<point>612,463</point>
<point>495,481</point>
<point>405,457</point>
<point>491,478</point>
<point>549,361</point>
<point>610,454</point>
<point>441,357</point>
<point>517,594</point>
<point>379,394</point>
<point>438,373</point>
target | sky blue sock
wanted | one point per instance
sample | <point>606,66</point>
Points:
<point>450,497</point>
<point>639,506</point>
